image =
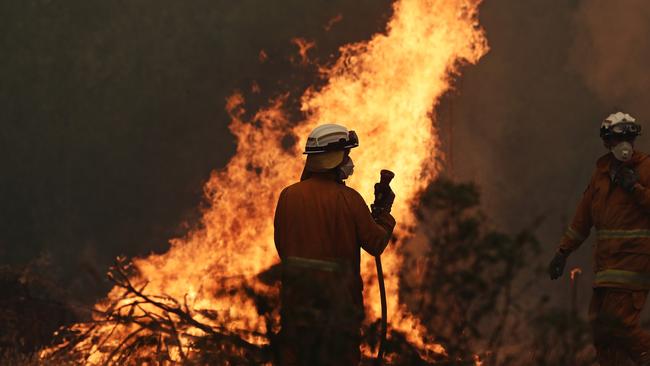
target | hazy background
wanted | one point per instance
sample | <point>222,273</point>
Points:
<point>113,115</point>
<point>525,120</point>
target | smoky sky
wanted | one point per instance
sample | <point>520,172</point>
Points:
<point>113,111</point>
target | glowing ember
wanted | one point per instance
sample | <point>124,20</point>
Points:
<point>477,361</point>
<point>303,48</point>
<point>262,57</point>
<point>332,22</point>
<point>575,272</point>
<point>385,89</point>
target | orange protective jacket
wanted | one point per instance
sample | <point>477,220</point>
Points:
<point>320,222</point>
<point>622,223</point>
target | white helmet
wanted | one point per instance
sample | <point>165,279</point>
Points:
<point>619,124</point>
<point>330,137</point>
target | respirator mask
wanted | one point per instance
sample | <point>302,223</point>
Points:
<point>623,151</point>
<point>346,168</point>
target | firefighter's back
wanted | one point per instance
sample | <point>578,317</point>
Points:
<point>315,220</point>
<point>321,287</point>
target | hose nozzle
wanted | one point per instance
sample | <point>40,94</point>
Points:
<point>386,176</point>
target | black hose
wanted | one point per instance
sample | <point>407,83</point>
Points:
<point>384,312</point>
<point>383,201</point>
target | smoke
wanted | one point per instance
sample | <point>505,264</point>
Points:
<point>611,51</point>
<point>524,122</point>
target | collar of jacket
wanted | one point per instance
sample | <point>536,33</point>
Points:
<point>328,175</point>
<point>606,160</point>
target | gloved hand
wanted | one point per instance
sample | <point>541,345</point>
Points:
<point>388,199</point>
<point>626,178</point>
<point>556,267</point>
<point>383,200</point>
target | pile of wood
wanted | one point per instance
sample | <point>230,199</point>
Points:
<point>157,328</point>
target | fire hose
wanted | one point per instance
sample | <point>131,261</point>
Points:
<point>383,200</point>
<point>384,312</point>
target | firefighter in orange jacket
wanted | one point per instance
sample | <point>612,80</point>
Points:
<point>320,227</point>
<point>617,203</point>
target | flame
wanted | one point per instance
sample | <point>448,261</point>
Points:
<point>477,361</point>
<point>303,49</point>
<point>385,89</point>
<point>330,23</point>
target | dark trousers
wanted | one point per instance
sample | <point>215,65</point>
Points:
<point>316,346</point>
<point>321,316</point>
<point>614,315</point>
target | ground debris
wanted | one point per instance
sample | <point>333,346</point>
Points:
<point>29,312</point>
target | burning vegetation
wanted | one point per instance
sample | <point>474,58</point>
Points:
<point>390,85</point>
<point>462,280</point>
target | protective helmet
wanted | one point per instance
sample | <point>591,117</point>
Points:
<point>326,146</point>
<point>619,124</point>
<point>330,137</point>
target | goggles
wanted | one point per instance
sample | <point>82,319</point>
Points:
<point>621,129</point>
<point>626,128</point>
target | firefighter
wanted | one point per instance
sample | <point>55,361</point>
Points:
<point>320,226</point>
<point>617,203</point>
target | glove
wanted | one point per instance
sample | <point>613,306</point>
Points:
<point>388,199</point>
<point>556,267</point>
<point>626,178</point>
<point>384,197</point>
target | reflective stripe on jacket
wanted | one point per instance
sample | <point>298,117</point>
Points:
<point>315,264</point>
<point>622,234</point>
<point>622,223</point>
<point>622,278</point>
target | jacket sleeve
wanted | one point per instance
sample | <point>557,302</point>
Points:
<point>278,221</point>
<point>641,188</point>
<point>580,226</point>
<point>642,196</point>
<point>372,234</point>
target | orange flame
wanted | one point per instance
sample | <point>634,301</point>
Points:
<point>303,48</point>
<point>385,89</point>
<point>477,361</point>
<point>330,23</point>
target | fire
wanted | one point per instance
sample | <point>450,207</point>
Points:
<point>477,361</point>
<point>385,89</point>
<point>303,49</point>
<point>330,23</point>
